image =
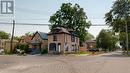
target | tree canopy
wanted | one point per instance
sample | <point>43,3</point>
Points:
<point>119,15</point>
<point>89,36</point>
<point>71,17</point>
<point>107,40</point>
<point>4,35</point>
<point>119,18</point>
<point>29,33</point>
<point>17,38</point>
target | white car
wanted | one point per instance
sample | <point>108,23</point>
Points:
<point>1,51</point>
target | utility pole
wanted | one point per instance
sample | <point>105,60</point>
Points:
<point>126,24</point>
<point>12,37</point>
<point>127,42</point>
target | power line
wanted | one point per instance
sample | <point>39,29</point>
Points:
<point>31,11</point>
<point>25,19</point>
<point>40,24</point>
<point>24,23</point>
<point>37,19</point>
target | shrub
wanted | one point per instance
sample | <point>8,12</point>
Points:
<point>23,47</point>
<point>44,50</point>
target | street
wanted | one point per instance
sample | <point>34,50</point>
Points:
<point>104,63</point>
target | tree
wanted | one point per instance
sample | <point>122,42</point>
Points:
<point>4,35</point>
<point>71,17</point>
<point>107,40</point>
<point>29,34</point>
<point>23,47</point>
<point>17,38</point>
<point>122,38</point>
<point>89,36</point>
<point>119,17</point>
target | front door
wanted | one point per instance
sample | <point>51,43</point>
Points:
<point>52,47</point>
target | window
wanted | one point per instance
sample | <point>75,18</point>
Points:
<point>73,38</point>
<point>54,37</point>
<point>65,37</point>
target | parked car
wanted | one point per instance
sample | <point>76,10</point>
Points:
<point>1,51</point>
<point>94,50</point>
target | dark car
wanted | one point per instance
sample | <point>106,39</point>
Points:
<point>94,50</point>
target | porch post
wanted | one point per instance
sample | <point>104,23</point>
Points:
<point>48,47</point>
<point>59,49</point>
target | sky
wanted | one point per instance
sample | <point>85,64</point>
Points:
<point>39,12</point>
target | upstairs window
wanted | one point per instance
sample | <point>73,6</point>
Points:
<point>54,37</point>
<point>65,35</point>
<point>77,39</point>
<point>72,38</point>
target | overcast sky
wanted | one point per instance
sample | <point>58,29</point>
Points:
<point>39,11</point>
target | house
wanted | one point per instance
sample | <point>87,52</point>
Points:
<point>89,44</point>
<point>6,45</point>
<point>61,40</point>
<point>1,44</point>
<point>39,41</point>
<point>26,40</point>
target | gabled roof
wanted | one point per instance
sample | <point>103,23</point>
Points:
<point>26,38</point>
<point>59,30</point>
<point>43,35</point>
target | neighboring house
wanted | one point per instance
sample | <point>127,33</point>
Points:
<point>26,40</point>
<point>39,41</point>
<point>6,44</point>
<point>89,44</point>
<point>0,43</point>
<point>60,40</point>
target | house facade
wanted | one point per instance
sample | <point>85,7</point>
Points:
<point>39,41</point>
<point>89,44</point>
<point>6,45</point>
<point>26,40</point>
<point>60,40</point>
<point>1,45</point>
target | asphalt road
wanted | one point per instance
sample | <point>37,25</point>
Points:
<point>105,63</point>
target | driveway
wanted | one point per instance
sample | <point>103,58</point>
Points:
<point>106,63</point>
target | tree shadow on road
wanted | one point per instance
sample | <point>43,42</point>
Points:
<point>113,55</point>
<point>117,54</point>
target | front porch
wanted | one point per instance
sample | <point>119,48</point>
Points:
<point>36,47</point>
